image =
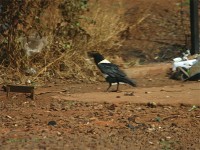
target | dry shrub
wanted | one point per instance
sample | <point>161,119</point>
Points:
<point>68,41</point>
<point>104,28</point>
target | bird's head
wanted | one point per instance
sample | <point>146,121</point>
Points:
<point>96,55</point>
<point>93,53</point>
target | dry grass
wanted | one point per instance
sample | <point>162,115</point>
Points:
<point>104,29</point>
<point>61,58</point>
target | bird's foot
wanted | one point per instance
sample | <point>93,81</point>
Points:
<point>118,91</point>
<point>108,91</point>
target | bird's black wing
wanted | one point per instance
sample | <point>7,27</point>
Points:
<point>111,70</point>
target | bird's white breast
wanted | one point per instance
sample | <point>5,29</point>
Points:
<point>119,83</point>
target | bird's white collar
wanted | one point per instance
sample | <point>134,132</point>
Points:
<point>104,61</point>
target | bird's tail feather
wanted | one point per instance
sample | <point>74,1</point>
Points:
<point>129,81</point>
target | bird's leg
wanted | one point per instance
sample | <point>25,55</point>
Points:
<point>117,86</point>
<point>108,87</point>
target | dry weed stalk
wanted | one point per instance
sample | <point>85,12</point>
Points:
<point>104,29</point>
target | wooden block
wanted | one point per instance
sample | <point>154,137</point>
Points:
<point>20,89</point>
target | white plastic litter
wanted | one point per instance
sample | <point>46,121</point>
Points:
<point>178,59</point>
<point>186,54</point>
<point>33,43</point>
<point>185,64</point>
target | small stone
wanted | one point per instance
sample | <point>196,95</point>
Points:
<point>58,133</point>
<point>129,94</point>
<point>162,139</point>
<point>151,104</point>
<point>173,125</point>
<point>152,126</point>
<point>138,108</point>
<point>150,142</point>
<point>28,81</point>
<point>112,107</point>
<point>150,129</point>
<point>8,116</point>
<point>52,123</point>
<point>147,92</point>
<point>93,119</point>
<point>168,137</point>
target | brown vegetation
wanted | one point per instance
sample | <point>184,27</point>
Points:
<point>136,31</point>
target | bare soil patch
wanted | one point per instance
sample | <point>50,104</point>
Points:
<point>158,114</point>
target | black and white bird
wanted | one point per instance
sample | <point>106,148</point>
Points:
<point>110,71</point>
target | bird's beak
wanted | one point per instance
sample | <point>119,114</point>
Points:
<point>90,54</point>
<point>90,57</point>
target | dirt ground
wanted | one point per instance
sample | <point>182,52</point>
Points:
<point>160,113</point>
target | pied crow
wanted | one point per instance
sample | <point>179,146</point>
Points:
<point>110,71</point>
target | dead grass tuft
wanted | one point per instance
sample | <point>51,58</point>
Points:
<point>63,57</point>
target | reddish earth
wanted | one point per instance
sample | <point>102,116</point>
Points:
<point>158,114</point>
